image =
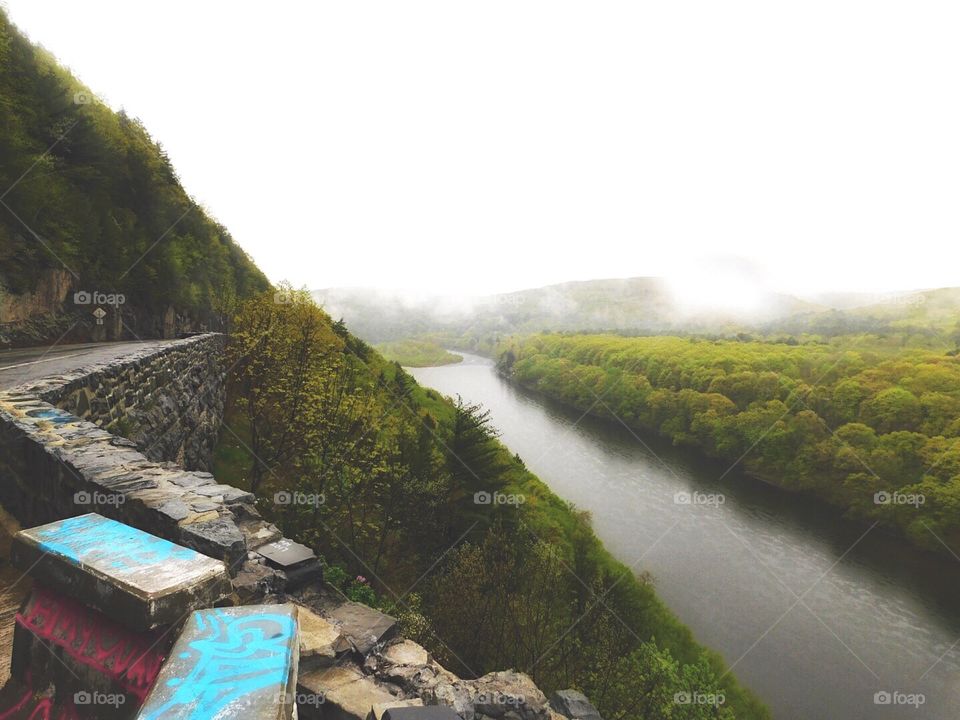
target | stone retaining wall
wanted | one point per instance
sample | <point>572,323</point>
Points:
<point>168,400</point>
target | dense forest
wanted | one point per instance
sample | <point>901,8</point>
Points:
<point>418,508</point>
<point>87,193</point>
<point>861,421</point>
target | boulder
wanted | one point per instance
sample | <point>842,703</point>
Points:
<point>338,693</point>
<point>509,694</point>
<point>574,704</point>
<point>320,640</point>
<point>406,652</point>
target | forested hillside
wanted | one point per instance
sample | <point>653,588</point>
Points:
<point>89,202</point>
<point>870,426</point>
<point>418,508</point>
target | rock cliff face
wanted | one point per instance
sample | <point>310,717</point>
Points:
<point>57,309</point>
<point>48,296</point>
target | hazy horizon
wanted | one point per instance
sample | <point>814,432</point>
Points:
<point>463,150</point>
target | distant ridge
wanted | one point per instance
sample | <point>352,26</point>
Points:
<point>639,304</point>
<point>635,306</point>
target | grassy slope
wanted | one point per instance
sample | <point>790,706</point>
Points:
<point>417,353</point>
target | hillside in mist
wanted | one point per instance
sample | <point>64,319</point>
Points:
<point>634,305</point>
<point>639,306</point>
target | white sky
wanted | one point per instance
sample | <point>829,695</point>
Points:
<point>491,146</point>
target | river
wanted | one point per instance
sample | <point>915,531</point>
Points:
<point>816,615</point>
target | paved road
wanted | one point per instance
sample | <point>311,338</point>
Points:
<point>23,364</point>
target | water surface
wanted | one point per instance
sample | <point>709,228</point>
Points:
<point>814,615</point>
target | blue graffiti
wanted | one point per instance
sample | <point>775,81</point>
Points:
<point>234,656</point>
<point>86,538</point>
<point>58,417</point>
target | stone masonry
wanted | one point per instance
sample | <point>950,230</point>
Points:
<point>168,400</point>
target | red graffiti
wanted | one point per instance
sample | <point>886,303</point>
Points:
<point>28,705</point>
<point>130,659</point>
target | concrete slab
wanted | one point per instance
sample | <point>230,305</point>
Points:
<point>298,562</point>
<point>285,554</point>
<point>320,640</point>
<point>363,626</point>
<point>230,664</point>
<point>136,578</point>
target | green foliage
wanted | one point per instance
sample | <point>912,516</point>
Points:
<point>359,590</point>
<point>90,190</point>
<point>379,475</point>
<point>845,420</point>
<point>335,575</point>
<point>418,353</point>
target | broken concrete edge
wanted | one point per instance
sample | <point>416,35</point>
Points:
<point>403,675</point>
<point>337,681</point>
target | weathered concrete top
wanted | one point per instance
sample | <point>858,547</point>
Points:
<point>139,579</point>
<point>230,664</point>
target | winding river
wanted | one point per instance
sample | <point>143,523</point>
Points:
<point>815,615</point>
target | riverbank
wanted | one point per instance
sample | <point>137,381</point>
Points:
<point>732,572</point>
